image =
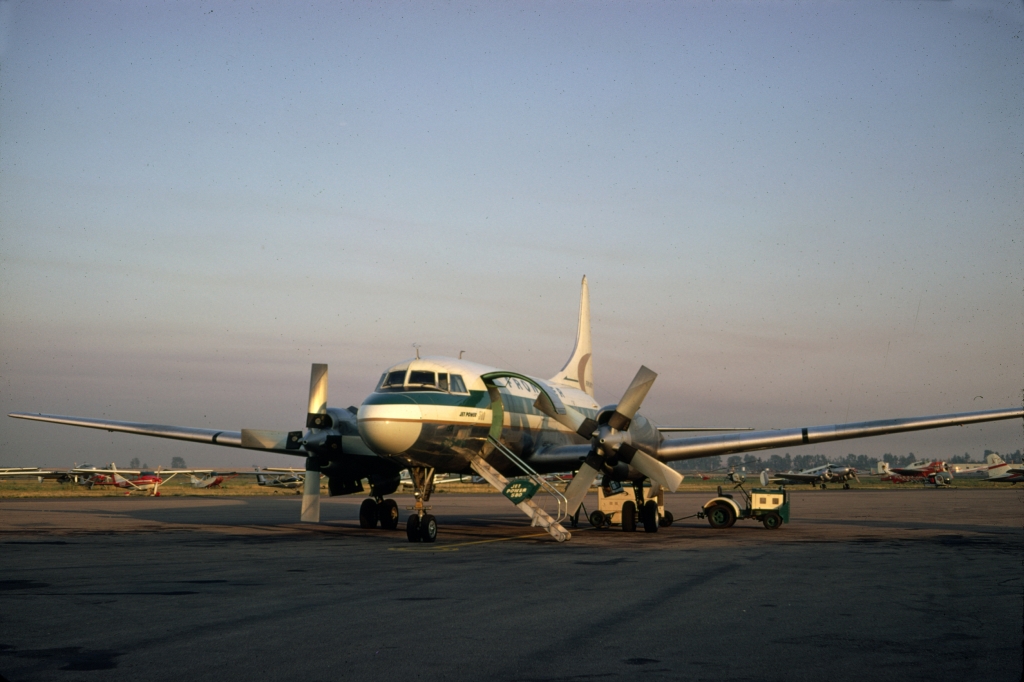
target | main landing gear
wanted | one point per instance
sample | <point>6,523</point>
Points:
<point>421,526</point>
<point>378,510</point>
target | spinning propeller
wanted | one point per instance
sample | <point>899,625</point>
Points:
<point>611,441</point>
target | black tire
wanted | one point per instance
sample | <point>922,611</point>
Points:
<point>574,520</point>
<point>667,519</point>
<point>412,528</point>
<point>823,486</point>
<point>720,516</point>
<point>629,517</point>
<point>650,516</point>
<point>388,513</point>
<point>598,520</point>
<point>368,513</point>
<point>846,486</point>
<point>428,528</point>
<point>771,521</point>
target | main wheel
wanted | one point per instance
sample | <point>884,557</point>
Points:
<point>650,516</point>
<point>412,528</point>
<point>666,520</point>
<point>720,516</point>
<point>629,517</point>
<point>771,521</point>
<point>823,486</point>
<point>598,519</point>
<point>846,486</point>
<point>428,528</point>
<point>368,513</point>
<point>388,513</point>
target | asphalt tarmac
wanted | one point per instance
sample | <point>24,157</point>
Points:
<point>907,585</point>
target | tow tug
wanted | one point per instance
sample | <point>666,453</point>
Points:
<point>644,505</point>
<point>770,506</point>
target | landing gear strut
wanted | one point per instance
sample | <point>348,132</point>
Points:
<point>421,526</point>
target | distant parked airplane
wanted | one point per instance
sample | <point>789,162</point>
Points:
<point>995,470</point>
<point>143,481</point>
<point>820,476</point>
<point>930,473</point>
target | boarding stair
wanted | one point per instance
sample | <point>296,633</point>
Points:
<point>538,517</point>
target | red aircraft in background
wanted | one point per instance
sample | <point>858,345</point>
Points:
<point>141,481</point>
<point>931,473</point>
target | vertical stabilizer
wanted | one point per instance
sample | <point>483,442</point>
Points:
<point>579,370</point>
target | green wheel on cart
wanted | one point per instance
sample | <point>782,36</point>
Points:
<point>771,521</point>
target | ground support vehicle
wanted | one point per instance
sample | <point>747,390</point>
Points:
<point>770,506</point>
<point>629,506</point>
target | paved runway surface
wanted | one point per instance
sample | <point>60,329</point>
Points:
<point>908,585</point>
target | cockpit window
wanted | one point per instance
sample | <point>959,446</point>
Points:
<point>442,381</point>
<point>457,385</point>
<point>393,381</point>
<point>421,379</point>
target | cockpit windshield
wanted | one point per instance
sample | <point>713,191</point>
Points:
<point>393,381</point>
<point>421,380</point>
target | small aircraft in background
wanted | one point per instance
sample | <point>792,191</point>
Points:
<point>212,480</point>
<point>994,470</point>
<point>279,477</point>
<point>823,475</point>
<point>142,481</point>
<point>934,473</point>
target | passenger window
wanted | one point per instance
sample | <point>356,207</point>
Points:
<point>442,380</point>
<point>421,379</point>
<point>457,386</point>
<point>394,380</point>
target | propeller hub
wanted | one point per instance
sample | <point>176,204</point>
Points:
<point>609,440</point>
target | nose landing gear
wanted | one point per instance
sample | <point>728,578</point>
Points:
<point>421,526</point>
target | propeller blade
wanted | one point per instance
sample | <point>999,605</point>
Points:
<point>659,472</point>
<point>579,486</point>
<point>316,413</point>
<point>631,399</point>
<point>310,512</point>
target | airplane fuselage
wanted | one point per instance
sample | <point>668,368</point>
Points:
<point>438,412</point>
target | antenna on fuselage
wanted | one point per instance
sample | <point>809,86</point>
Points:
<point>417,347</point>
<point>460,354</point>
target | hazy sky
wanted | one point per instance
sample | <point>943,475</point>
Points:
<point>797,213</point>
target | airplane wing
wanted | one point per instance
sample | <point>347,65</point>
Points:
<point>22,472</point>
<point>208,436</point>
<point>707,446</point>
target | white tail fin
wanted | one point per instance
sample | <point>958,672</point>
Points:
<point>578,371</point>
<point>883,468</point>
<point>993,459</point>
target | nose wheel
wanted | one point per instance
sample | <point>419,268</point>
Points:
<point>421,526</point>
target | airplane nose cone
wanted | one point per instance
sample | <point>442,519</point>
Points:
<point>390,429</point>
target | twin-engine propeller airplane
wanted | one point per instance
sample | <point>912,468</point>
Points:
<point>823,475</point>
<point>447,415</point>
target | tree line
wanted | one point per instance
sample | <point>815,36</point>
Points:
<point>789,462</point>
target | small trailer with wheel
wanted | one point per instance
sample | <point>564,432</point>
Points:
<point>770,506</point>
